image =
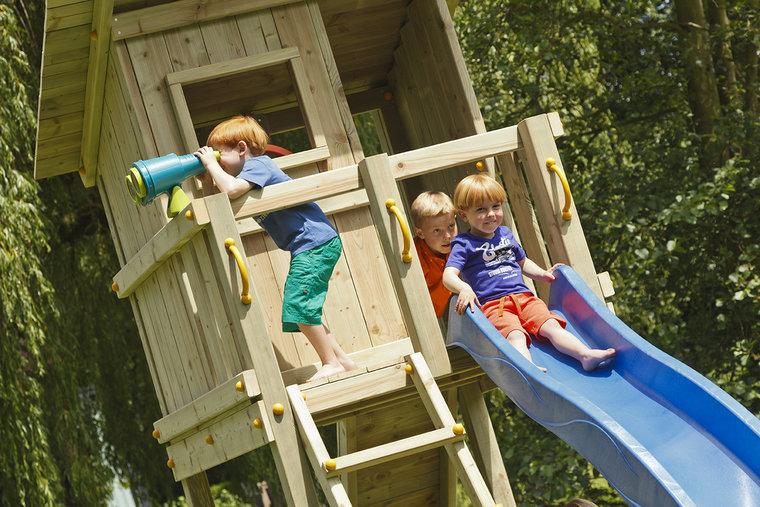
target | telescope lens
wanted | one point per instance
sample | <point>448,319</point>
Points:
<point>135,185</point>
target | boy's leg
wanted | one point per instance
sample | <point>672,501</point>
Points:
<point>334,360</point>
<point>501,314</point>
<point>567,343</point>
<point>518,340</point>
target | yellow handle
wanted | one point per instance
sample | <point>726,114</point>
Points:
<point>405,255</point>
<point>245,298</point>
<point>552,165</point>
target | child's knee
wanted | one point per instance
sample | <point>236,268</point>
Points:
<point>518,339</point>
<point>549,327</point>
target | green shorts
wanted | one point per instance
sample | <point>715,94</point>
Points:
<point>306,285</point>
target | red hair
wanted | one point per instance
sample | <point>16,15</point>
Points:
<point>477,188</point>
<point>239,128</point>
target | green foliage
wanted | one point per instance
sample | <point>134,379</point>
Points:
<point>49,431</point>
<point>222,498</point>
<point>29,473</point>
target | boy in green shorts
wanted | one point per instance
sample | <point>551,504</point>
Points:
<point>303,230</point>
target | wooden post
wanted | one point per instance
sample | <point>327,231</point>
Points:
<point>248,322</point>
<point>484,444</point>
<point>408,278</point>
<point>564,238</point>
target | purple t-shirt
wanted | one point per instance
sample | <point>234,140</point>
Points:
<point>489,266</point>
<point>294,229</point>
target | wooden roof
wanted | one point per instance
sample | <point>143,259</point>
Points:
<point>362,33</point>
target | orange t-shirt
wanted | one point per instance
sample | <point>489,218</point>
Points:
<point>432,266</point>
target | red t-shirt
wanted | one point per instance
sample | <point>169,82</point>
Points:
<point>432,266</point>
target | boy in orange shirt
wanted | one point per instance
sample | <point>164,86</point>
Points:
<point>435,226</point>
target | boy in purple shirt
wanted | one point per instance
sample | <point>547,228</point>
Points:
<point>492,263</point>
<point>303,230</point>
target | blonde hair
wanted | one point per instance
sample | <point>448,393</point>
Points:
<point>431,204</point>
<point>477,188</point>
<point>239,128</point>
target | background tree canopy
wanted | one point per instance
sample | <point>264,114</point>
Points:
<point>659,104</point>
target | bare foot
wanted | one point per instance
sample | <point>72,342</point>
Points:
<point>595,357</point>
<point>327,370</point>
<point>347,363</point>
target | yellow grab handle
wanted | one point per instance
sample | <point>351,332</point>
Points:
<point>245,298</point>
<point>552,165</point>
<point>405,255</point>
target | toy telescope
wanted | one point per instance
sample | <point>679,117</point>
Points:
<point>149,178</point>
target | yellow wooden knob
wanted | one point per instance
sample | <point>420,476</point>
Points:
<point>303,395</point>
<point>209,440</point>
<point>257,423</point>
<point>409,369</point>
<point>458,429</point>
<point>550,162</point>
<point>278,408</point>
<point>239,386</point>
<point>479,166</point>
<point>156,434</point>
<point>330,464</point>
<point>229,242</point>
<point>170,463</point>
<point>115,287</point>
<point>246,299</point>
<point>189,214</point>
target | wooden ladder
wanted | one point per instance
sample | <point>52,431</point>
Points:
<point>448,434</point>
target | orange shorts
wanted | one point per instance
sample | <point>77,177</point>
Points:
<point>524,312</point>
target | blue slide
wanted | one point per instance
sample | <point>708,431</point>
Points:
<point>661,433</point>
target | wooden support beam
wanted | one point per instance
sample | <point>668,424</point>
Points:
<point>329,205</point>
<point>315,449</point>
<point>100,42</point>
<point>407,276</point>
<point>484,444</point>
<point>458,452</point>
<point>228,68</point>
<point>299,191</point>
<point>163,17</point>
<point>249,331</point>
<point>159,248</point>
<point>394,450</point>
<point>564,238</point>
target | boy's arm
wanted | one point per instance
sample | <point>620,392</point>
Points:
<point>232,186</point>
<point>456,285</point>
<point>536,272</point>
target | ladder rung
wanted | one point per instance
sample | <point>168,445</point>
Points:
<point>392,450</point>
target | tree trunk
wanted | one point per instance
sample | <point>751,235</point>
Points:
<point>723,58</point>
<point>702,87</point>
<point>750,75</point>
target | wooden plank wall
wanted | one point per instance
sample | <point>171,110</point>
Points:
<point>410,481</point>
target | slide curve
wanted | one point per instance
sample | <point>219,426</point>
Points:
<point>661,433</point>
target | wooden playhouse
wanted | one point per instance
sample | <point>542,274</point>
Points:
<point>125,80</point>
